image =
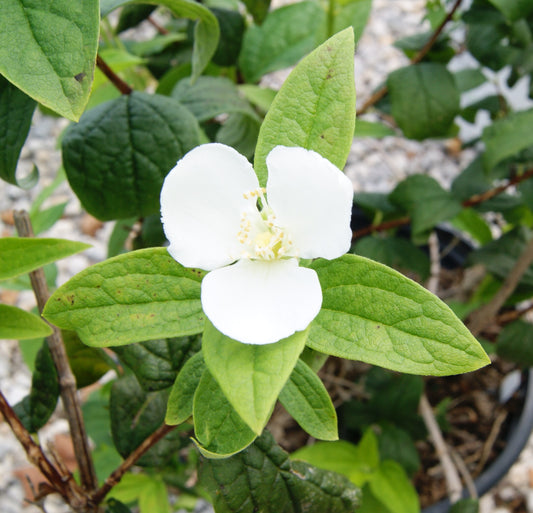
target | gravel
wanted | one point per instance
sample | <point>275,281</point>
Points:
<point>373,165</point>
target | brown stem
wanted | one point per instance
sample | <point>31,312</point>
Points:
<point>162,30</point>
<point>382,91</point>
<point>482,317</point>
<point>513,315</point>
<point>62,483</point>
<point>470,202</point>
<point>113,77</point>
<point>114,478</point>
<point>67,381</point>
<point>453,482</point>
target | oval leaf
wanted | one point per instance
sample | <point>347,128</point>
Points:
<point>315,107</point>
<point>216,424</point>
<point>251,376</point>
<point>307,401</point>
<point>375,314</point>
<point>138,296</point>
<point>19,324</point>
<point>115,165</point>
<point>425,99</point>
<point>48,50</point>
<point>20,255</point>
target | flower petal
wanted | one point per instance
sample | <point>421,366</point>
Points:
<point>201,204</point>
<point>312,199</point>
<point>260,302</point>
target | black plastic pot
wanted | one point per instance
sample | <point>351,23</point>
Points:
<point>517,438</point>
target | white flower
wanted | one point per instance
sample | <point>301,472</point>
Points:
<point>217,218</point>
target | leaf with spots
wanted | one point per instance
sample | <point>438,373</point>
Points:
<point>118,155</point>
<point>376,315</point>
<point>315,107</point>
<point>48,50</point>
<point>141,295</point>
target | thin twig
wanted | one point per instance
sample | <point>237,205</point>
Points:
<point>117,474</point>
<point>382,91</point>
<point>67,381</point>
<point>465,473</point>
<point>484,316</point>
<point>61,483</point>
<point>113,77</point>
<point>162,30</point>
<point>453,482</point>
<point>491,440</point>
<point>434,258</point>
<point>476,199</point>
<point>513,315</point>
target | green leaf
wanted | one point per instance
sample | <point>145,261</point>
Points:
<point>19,255</point>
<point>424,98</point>
<point>119,236</point>
<point>44,219</point>
<point>465,506</point>
<point>206,31</point>
<point>287,34</point>
<point>155,498</point>
<point>211,96</point>
<point>513,9</point>
<point>515,343</point>
<point>507,137</point>
<point>218,427</point>
<point>401,254</point>
<point>469,221</point>
<point>16,111</point>
<point>500,256</point>
<point>149,490</point>
<point>133,14</point>
<point>356,462</point>
<point>391,486</point>
<point>37,407</point>
<point>262,478</point>
<point>251,376</point>
<point>156,363</point>
<point>88,364</point>
<point>375,314</point>
<point>426,201</point>
<point>352,13</point>
<point>261,97</point>
<point>138,296</point>
<point>114,165</point>
<point>232,27</point>
<point>315,107</point>
<point>21,325</point>
<point>135,415</point>
<point>396,444</point>
<point>308,402</point>
<point>373,129</point>
<point>258,9</point>
<point>114,506</point>
<point>240,131</point>
<point>180,401</point>
<point>470,78</point>
<point>48,50</point>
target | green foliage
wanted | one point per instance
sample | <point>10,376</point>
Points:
<point>425,201</point>
<point>515,343</point>
<point>106,304</point>
<point>307,400</point>
<point>156,363</point>
<point>372,129</point>
<point>465,506</point>
<point>287,34</point>
<point>136,414</point>
<point>262,478</point>
<point>22,255</point>
<point>55,71</point>
<point>425,100</point>
<point>149,491</point>
<point>374,314</point>
<point>37,407</point>
<point>16,111</point>
<point>315,107</point>
<point>115,165</point>
<point>19,324</point>
<point>251,376</point>
<point>218,427</point>
<point>180,401</point>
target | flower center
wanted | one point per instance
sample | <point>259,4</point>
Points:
<point>259,232</point>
